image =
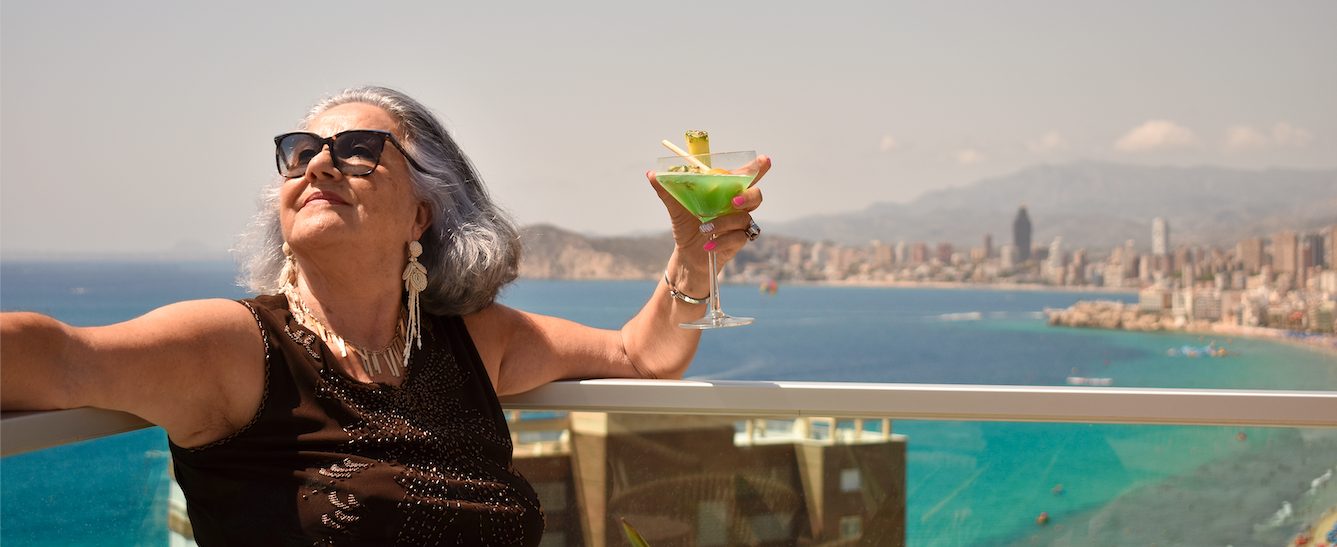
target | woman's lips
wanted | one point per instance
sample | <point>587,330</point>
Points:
<point>330,197</point>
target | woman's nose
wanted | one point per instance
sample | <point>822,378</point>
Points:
<point>322,165</point>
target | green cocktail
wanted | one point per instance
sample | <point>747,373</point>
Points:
<point>706,196</point>
<point>705,184</point>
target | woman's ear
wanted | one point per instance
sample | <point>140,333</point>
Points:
<point>423,220</point>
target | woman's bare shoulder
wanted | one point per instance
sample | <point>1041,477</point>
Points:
<point>196,368</point>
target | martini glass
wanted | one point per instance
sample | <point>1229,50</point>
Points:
<point>706,184</point>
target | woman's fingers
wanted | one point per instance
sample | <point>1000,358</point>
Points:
<point>728,245</point>
<point>749,200</point>
<point>765,166</point>
<point>735,222</point>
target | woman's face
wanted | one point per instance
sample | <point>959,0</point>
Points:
<point>327,209</point>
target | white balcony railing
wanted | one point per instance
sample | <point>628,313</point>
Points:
<point>28,431</point>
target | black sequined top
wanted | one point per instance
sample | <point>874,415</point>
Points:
<point>328,460</point>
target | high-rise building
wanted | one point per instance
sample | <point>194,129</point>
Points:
<point>1160,236</point>
<point>1007,256</point>
<point>919,253</point>
<point>1077,270</point>
<point>988,245</point>
<point>1250,253</point>
<point>944,253</point>
<point>1056,265</point>
<point>1021,234</point>
<point>796,255</point>
<point>1183,259</point>
<point>902,253</point>
<point>1311,253</point>
<point>1131,263</point>
<point>1330,258</point>
<point>1039,252</point>
<point>1285,253</point>
<point>1130,260</point>
<point>882,257</point>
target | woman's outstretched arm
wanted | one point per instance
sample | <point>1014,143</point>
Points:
<point>195,368</point>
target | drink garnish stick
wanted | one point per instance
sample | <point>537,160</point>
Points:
<point>684,154</point>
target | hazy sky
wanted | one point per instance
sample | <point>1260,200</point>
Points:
<point>136,126</point>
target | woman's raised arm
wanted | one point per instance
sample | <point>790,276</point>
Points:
<point>523,351</point>
<point>195,368</point>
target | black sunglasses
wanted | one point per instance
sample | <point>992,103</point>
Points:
<point>356,152</point>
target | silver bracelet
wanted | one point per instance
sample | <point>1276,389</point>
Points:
<point>673,291</point>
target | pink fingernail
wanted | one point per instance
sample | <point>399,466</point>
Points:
<point>707,227</point>
<point>738,201</point>
<point>709,246</point>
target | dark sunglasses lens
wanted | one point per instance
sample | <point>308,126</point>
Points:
<point>295,151</point>
<point>359,152</point>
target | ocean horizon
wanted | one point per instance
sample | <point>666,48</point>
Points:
<point>967,483</point>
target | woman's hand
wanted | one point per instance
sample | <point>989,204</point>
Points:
<point>693,239</point>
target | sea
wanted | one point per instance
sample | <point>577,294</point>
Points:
<point>967,483</point>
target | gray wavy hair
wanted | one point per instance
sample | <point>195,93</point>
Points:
<point>471,250</point>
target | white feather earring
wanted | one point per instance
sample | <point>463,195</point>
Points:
<point>288,275</point>
<point>415,281</point>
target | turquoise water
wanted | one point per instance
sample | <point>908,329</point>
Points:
<point>111,491</point>
<point>973,483</point>
<point>967,483</point>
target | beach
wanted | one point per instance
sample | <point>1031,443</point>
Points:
<point>1326,522</point>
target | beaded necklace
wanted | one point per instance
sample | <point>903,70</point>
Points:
<point>390,354</point>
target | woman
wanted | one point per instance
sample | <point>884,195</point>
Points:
<point>355,402</point>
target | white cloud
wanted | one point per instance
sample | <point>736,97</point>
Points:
<point>969,156</point>
<point>1282,135</point>
<point>889,143</point>
<point>1285,134</point>
<point>1242,137</point>
<point>1050,142</point>
<point>1156,135</point>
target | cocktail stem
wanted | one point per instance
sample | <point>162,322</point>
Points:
<point>714,288</point>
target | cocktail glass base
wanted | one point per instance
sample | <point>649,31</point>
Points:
<point>715,320</point>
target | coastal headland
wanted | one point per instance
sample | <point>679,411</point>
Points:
<point>1109,314</point>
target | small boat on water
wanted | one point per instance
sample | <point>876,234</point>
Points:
<point>769,287</point>
<point>1209,350</point>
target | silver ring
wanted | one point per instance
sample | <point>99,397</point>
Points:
<point>753,231</point>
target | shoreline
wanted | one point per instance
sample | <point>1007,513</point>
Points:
<point>1019,287</point>
<point>1319,343</point>
<point>1326,344</point>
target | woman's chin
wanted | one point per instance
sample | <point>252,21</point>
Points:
<point>320,231</point>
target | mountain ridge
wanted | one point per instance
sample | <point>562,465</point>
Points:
<point>1095,204</point>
